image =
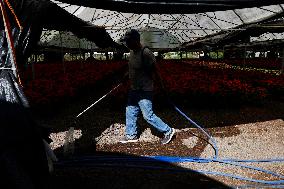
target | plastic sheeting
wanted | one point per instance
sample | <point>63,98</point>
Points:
<point>23,41</point>
<point>22,156</point>
<point>34,15</point>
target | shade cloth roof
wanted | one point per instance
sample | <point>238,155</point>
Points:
<point>171,6</point>
<point>243,33</point>
<point>178,28</point>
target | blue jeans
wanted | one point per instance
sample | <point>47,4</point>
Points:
<point>142,100</point>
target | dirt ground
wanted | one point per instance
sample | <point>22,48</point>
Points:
<point>242,131</point>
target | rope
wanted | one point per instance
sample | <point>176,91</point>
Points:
<point>14,14</point>
<point>10,40</point>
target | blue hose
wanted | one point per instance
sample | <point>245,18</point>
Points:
<point>260,186</point>
<point>104,161</point>
<point>214,143</point>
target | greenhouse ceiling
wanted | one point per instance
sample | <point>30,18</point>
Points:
<point>170,6</point>
<point>172,30</point>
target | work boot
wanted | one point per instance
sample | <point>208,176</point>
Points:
<point>128,140</point>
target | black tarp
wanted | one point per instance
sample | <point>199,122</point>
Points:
<point>34,15</point>
<point>174,6</point>
<point>23,162</point>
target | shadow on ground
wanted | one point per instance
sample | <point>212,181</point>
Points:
<point>60,117</point>
<point>113,170</point>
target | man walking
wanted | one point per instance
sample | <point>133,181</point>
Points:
<point>141,70</point>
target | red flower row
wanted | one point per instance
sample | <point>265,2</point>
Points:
<point>53,82</point>
<point>45,83</point>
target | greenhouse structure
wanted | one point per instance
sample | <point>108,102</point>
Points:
<point>212,77</point>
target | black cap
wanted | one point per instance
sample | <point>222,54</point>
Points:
<point>131,34</point>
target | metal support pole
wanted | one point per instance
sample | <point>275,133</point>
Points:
<point>282,68</point>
